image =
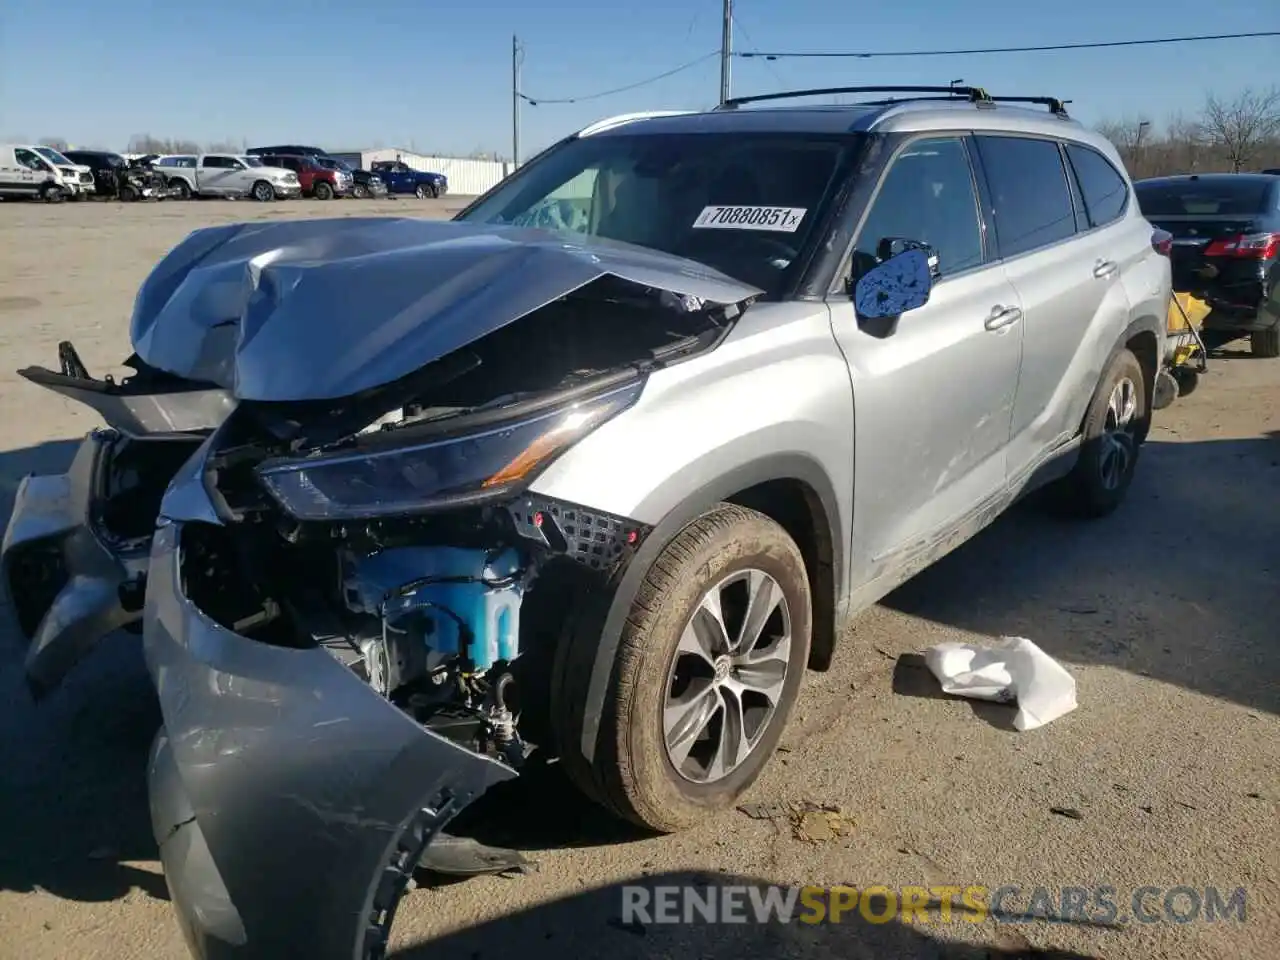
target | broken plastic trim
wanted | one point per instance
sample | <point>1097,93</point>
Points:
<point>439,474</point>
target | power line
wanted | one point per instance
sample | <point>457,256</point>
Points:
<point>535,101</point>
<point>867,55</point>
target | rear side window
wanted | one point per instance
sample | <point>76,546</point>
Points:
<point>1105,193</point>
<point>1028,191</point>
<point>1220,197</point>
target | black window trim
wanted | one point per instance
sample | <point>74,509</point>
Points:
<point>1129,196</point>
<point>839,286</point>
<point>989,202</point>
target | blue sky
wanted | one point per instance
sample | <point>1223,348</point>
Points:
<point>437,76</point>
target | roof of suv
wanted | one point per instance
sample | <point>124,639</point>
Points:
<point>903,116</point>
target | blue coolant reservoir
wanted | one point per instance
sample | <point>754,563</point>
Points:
<point>481,588</point>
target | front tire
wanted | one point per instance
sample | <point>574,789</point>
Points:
<point>52,193</point>
<point>696,702</point>
<point>323,191</point>
<point>128,194</point>
<point>1115,427</point>
<point>263,192</point>
<point>424,192</point>
<point>360,191</point>
<point>1265,343</point>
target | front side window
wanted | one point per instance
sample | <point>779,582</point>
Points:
<point>29,159</point>
<point>744,204</point>
<point>1029,191</point>
<point>926,197</point>
<point>1105,193</point>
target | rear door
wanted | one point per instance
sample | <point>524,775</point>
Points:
<point>214,174</point>
<point>933,394</point>
<point>1068,278</point>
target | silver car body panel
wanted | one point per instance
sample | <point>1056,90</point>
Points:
<point>318,309</point>
<point>281,783</point>
<point>149,414</point>
<point>57,511</point>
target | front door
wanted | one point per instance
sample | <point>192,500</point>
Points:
<point>933,396</point>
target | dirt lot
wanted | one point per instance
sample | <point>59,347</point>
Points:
<point>1169,773</point>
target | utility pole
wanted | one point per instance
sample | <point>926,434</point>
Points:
<point>726,51</point>
<point>515,102</point>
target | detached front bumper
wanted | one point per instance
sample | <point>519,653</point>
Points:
<point>290,802</point>
<point>66,586</point>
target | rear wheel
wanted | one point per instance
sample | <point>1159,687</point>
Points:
<point>182,188</point>
<point>1265,343</point>
<point>1114,429</point>
<point>707,670</point>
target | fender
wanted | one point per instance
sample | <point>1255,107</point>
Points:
<point>785,466</point>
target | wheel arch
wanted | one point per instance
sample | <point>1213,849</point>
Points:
<point>792,489</point>
<point>1144,338</point>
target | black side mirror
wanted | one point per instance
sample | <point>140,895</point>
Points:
<point>900,284</point>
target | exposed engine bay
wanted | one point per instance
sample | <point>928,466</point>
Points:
<point>422,564</point>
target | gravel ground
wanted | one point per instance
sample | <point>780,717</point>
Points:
<point>1169,773</point>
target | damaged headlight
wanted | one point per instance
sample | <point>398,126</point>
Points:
<point>439,473</point>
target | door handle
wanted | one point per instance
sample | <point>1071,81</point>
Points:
<point>1104,268</point>
<point>1001,317</point>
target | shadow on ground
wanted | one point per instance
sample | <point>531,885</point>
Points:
<point>592,924</point>
<point>1180,584</point>
<point>73,798</point>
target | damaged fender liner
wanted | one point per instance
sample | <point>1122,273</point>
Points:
<point>289,800</point>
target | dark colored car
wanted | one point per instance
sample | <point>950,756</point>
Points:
<point>402,178</point>
<point>1226,249</point>
<point>319,179</point>
<point>365,184</point>
<point>114,176</point>
<point>1272,171</point>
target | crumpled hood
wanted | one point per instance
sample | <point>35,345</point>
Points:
<point>318,309</point>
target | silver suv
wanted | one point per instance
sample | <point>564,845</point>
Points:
<point>594,472</point>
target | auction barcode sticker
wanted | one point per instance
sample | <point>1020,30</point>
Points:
<point>780,219</point>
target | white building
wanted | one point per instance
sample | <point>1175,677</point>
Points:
<point>466,177</point>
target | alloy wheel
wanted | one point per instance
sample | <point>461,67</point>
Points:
<point>727,677</point>
<point>1119,438</point>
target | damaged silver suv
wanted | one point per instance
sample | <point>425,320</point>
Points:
<point>594,472</point>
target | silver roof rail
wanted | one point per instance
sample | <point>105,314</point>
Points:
<point>624,118</point>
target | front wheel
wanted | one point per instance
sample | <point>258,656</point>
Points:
<point>52,193</point>
<point>128,193</point>
<point>707,670</point>
<point>424,192</point>
<point>1265,343</point>
<point>1114,428</point>
<point>360,191</point>
<point>263,192</point>
<point>323,191</point>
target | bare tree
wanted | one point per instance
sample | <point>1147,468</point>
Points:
<point>223,146</point>
<point>1241,125</point>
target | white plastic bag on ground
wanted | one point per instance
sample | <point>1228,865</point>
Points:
<point>1013,669</point>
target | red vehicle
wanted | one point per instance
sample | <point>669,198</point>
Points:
<point>323,183</point>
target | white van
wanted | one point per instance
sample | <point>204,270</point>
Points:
<point>25,173</point>
<point>76,177</point>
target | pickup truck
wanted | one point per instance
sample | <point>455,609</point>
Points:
<point>402,178</point>
<point>227,175</point>
<point>316,178</point>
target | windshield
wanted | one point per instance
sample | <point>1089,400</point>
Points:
<point>744,204</point>
<point>1208,198</point>
<point>252,161</point>
<point>51,154</point>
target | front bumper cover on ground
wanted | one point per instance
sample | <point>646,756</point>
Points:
<point>290,802</point>
<point>52,524</point>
